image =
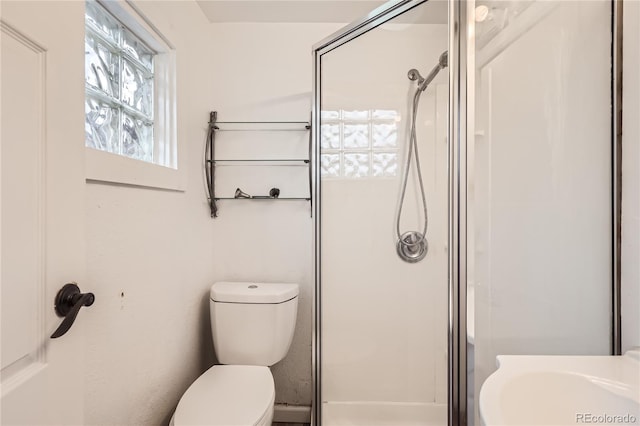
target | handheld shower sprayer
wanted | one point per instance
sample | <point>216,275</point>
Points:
<point>412,245</point>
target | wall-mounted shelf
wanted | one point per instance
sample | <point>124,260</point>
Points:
<point>212,163</point>
<point>262,126</point>
<point>274,162</point>
<point>265,199</point>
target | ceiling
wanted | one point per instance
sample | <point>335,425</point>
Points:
<point>290,11</point>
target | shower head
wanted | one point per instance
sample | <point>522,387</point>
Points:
<point>414,74</point>
<point>443,61</point>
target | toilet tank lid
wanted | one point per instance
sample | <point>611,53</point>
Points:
<point>252,292</point>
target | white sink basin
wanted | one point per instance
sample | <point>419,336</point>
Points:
<point>562,390</point>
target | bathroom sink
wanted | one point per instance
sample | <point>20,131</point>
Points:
<point>562,390</point>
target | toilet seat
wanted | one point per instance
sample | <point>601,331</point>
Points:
<point>228,395</point>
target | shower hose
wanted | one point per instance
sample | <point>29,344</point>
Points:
<point>413,147</point>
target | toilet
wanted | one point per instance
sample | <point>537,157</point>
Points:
<point>252,326</point>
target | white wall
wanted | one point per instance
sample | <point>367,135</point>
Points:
<point>631,178</point>
<point>150,263</point>
<point>153,255</point>
<point>263,72</point>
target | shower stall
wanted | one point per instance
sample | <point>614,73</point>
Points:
<point>465,186</point>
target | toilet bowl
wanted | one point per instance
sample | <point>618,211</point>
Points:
<point>252,327</point>
<point>227,395</point>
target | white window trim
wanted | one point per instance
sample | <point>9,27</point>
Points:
<point>102,166</point>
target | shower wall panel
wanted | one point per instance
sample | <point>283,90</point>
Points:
<point>384,321</point>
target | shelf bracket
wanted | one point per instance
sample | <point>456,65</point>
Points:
<point>210,165</point>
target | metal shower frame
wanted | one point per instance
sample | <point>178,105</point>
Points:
<point>461,73</point>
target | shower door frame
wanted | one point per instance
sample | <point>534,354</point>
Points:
<point>456,157</point>
<point>461,89</point>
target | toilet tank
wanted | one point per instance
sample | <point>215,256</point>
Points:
<point>252,323</point>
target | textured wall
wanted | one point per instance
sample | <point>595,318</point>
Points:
<point>152,255</point>
<point>149,263</point>
<point>263,72</point>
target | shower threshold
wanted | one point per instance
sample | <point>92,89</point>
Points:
<point>378,413</point>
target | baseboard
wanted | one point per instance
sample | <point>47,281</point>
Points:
<point>284,413</point>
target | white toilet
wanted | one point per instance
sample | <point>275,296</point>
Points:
<point>252,326</point>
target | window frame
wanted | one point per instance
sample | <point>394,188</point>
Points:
<point>105,167</point>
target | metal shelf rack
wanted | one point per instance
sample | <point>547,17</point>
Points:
<point>211,163</point>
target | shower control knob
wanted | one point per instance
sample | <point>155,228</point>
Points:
<point>412,247</point>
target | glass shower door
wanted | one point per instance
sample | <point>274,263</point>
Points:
<point>383,319</point>
<point>539,206</point>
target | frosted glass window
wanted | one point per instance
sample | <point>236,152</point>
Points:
<point>101,67</point>
<point>356,135</point>
<point>101,21</point>
<point>133,136</point>
<point>330,136</point>
<point>389,114</point>
<point>330,165</point>
<point>136,48</point>
<point>385,135</point>
<point>357,144</point>
<point>101,125</point>
<point>137,88</point>
<point>356,164</point>
<point>119,85</point>
<point>385,164</point>
<point>330,115</point>
<point>355,115</point>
